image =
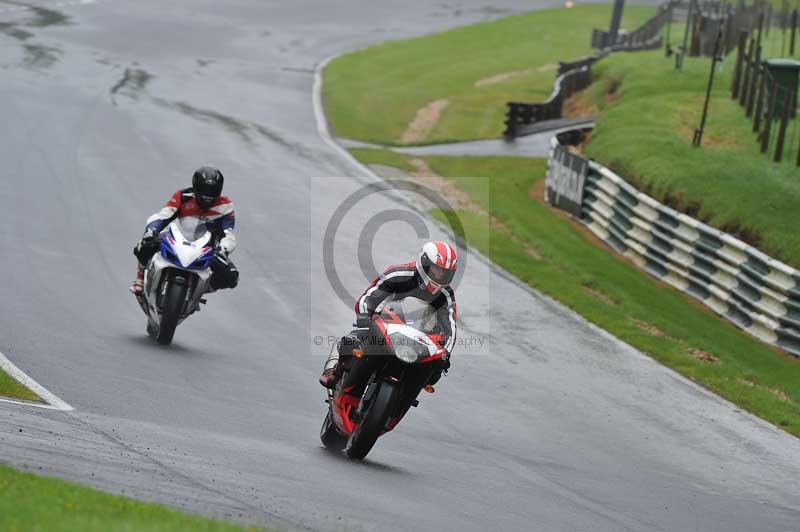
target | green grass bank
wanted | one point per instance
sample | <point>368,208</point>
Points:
<point>560,258</point>
<point>32,503</point>
<point>11,388</point>
<point>647,112</point>
<point>374,95</point>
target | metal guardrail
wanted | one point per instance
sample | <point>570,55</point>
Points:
<point>520,115</point>
<point>573,76</point>
<point>755,292</point>
<point>646,33</point>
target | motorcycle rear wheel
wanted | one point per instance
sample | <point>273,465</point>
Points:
<point>171,313</point>
<point>364,437</point>
<point>330,435</point>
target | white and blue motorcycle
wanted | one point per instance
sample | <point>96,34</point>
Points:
<point>176,278</point>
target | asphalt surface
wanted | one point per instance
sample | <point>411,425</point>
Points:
<point>549,425</point>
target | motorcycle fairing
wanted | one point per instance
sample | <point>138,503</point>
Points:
<point>185,253</point>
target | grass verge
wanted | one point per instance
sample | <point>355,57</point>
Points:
<point>576,269</point>
<point>29,502</point>
<point>9,387</point>
<point>647,112</point>
<point>374,94</point>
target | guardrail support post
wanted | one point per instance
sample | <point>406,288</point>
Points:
<point>511,122</point>
<point>679,57</point>
<point>787,103</point>
<point>698,133</point>
<point>616,19</point>
<point>760,98</point>
<point>748,72</point>
<point>768,116</point>
<point>797,161</point>
<point>737,72</point>
<point>752,89</point>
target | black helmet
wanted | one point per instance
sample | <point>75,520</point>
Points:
<point>207,185</point>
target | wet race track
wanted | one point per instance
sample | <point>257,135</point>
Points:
<point>549,424</point>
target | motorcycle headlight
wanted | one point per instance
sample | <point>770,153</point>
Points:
<point>407,349</point>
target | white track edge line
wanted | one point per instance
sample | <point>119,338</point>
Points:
<point>20,376</point>
<point>322,122</point>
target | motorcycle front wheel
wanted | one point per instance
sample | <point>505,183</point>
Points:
<point>171,310</point>
<point>364,437</point>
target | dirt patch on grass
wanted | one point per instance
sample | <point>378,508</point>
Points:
<point>505,76</point>
<point>425,120</point>
<point>612,92</point>
<point>536,192</point>
<point>702,356</point>
<point>499,78</point>
<point>780,394</point>
<point>456,197</point>
<point>650,329</point>
<point>689,119</point>
<point>578,105</point>
<point>459,199</point>
<point>598,294</point>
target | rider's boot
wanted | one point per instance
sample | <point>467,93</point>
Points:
<point>331,374</point>
<point>138,285</point>
<point>334,367</point>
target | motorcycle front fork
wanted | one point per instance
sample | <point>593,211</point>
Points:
<point>367,397</point>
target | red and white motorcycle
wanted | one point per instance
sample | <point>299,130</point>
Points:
<point>394,362</point>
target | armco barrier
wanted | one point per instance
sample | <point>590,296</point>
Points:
<point>520,115</point>
<point>757,293</point>
<point>573,76</point>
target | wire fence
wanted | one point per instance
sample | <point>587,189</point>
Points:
<point>767,91</point>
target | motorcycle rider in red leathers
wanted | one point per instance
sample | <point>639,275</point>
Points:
<point>202,203</point>
<point>427,279</point>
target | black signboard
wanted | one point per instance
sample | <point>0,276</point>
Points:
<point>566,175</point>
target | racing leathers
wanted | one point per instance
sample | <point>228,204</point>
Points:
<point>396,283</point>
<point>218,219</point>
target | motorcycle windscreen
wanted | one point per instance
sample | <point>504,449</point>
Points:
<point>191,228</point>
<point>414,312</point>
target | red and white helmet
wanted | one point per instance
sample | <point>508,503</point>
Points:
<point>437,264</point>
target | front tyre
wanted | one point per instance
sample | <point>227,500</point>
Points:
<point>330,435</point>
<point>364,437</point>
<point>171,309</point>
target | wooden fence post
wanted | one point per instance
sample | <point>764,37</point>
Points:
<point>748,71</point>
<point>762,87</point>
<point>787,105</point>
<point>768,116</point>
<point>752,89</point>
<point>510,132</point>
<point>797,162</point>
<point>737,72</point>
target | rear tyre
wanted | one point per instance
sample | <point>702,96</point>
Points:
<point>364,437</point>
<point>330,435</point>
<point>171,311</point>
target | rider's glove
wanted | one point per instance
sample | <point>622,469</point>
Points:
<point>149,237</point>
<point>221,253</point>
<point>364,321</point>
